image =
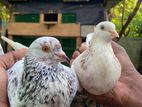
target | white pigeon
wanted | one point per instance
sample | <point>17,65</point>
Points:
<point>88,38</point>
<point>40,80</point>
<point>14,45</point>
<point>98,68</point>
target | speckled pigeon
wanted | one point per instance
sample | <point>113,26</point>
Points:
<point>39,79</point>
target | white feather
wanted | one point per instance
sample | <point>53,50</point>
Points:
<point>1,50</point>
<point>88,38</point>
<point>14,45</point>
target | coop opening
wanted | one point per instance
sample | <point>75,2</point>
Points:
<point>50,17</point>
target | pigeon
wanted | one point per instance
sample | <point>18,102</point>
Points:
<point>15,45</point>
<point>40,79</point>
<point>97,68</point>
<point>88,38</point>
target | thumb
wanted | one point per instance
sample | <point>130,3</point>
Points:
<point>7,60</point>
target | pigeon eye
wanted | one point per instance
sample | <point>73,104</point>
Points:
<point>45,48</point>
<point>102,27</point>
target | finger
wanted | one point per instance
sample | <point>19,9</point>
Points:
<point>19,53</point>
<point>78,51</point>
<point>83,47</point>
<point>75,54</point>
<point>117,48</point>
<point>7,60</point>
<point>121,54</point>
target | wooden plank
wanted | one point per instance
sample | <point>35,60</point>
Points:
<point>59,18</point>
<point>86,29</point>
<point>41,17</point>
<point>78,42</point>
<point>39,29</point>
<point>51,22</point>
<point>9,48</point>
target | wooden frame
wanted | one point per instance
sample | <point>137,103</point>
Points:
<point>39,29</point>
<point>59,16</point>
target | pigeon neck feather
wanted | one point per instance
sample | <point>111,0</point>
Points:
<point>100,38</point>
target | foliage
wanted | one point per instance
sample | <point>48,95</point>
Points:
<point>4,18</point>
<point>4,12</point>
<point>120,13</point>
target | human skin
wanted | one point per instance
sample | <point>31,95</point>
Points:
<point>6,61</point>
<point>128,90</point>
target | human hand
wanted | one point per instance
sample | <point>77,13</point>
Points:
<point>6,61</point>
<point>128,90</point>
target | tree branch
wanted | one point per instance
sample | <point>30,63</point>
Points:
<point>130,17</point>
<point>123,11</point>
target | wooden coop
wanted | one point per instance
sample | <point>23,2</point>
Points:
<point>68,20</point>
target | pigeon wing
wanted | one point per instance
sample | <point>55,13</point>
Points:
<point>14,75</point>
<point>73,81</point>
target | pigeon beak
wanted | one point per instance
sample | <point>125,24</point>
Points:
<point>114,34</point>
<point>62,57</point>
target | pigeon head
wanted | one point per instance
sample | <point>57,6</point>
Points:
<point>47,49</point>
<point>105,30</point>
